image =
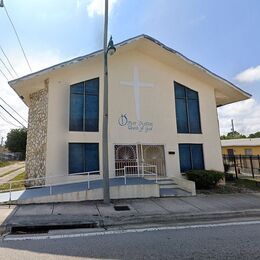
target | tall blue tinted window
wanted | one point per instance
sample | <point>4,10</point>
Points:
<point>83,157</point>
<point>84,106</point>
<point>187,109</point>
<point>191,157</point>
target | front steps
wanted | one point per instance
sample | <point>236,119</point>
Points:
<point>168,188</point>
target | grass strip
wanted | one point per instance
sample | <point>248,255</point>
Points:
<point>6,173</point>
<point>15,186</point>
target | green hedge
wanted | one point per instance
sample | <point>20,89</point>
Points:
<point>205,179</point>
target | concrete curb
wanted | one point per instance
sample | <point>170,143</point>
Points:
<point>122,221</point>
<point>177,218</point>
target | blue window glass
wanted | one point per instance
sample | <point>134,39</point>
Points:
<point>194,116</point>
<point>181,116</point>
<point>197,157</point>
<point>92,105</point>
<point>187,109</point>
<point>191,157</point>
<point>76,111</point>
<point>191,94</point>
<point>185,157</point>
<point>76,158</point>
<point>83,157</point>
<point>84,106</point>
<point>91,157</point>
<point>179,90</point>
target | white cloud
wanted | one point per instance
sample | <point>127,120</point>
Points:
<point>249,75</point>
<point>97,7</point>
<point>245,115</point>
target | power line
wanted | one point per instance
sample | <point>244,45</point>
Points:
<point>13,110</point>
<point>3,74</point>
<point>12,116</point>
<point>17,36</point>
<point>10,64</point>
<point>6,68</point>
<point>1,116</point>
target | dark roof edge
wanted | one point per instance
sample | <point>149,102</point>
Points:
<point>84,57</point>
<point>71,61</point>
<point>196,64</point>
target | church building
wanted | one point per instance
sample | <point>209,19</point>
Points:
<point>162,114</point>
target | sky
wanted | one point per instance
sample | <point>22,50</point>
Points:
<point>220,35</point>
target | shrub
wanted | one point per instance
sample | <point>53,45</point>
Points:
<point>205,179</point>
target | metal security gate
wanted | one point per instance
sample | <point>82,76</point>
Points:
<point>126,155</point>
<point>138,157</point>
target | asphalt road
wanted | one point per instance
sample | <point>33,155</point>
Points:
<point>221,242</point>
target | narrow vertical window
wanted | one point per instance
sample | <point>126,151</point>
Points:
<point>187,109</point>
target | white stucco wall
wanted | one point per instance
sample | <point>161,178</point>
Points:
<point>157,106</point>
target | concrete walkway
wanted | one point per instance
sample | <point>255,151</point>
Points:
<point>69,187</point>
<point>11,167</point>
<point>154,210</point>
<point>12,175</point>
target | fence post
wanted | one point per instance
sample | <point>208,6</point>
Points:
<point>10,193</point>
<point>235,164</point>
<point>125,174</point>
<point>258,157</point>
<point>251,164</point>
<point>88,182</point>
<point>240,157</point>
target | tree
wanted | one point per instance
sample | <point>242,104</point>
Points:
<point>232,135</point>
<point>255,135</point>
<point>16,141</point>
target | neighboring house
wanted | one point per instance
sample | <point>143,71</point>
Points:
<point>162,111</point>
<point>248,146</point>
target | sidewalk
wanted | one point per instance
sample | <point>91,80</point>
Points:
<point>142,211</point>
<point>12,175</point>
<point>11,167</point>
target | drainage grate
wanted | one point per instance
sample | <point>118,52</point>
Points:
<point>121,207</point>
<point>45,229</point>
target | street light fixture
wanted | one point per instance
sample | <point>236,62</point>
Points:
<point>111,49</point>
<point>1,3</point>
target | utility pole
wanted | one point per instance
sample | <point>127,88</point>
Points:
<point>232,127</point>
<point>106,192</point>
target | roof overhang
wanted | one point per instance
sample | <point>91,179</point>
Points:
<point>225,91</point>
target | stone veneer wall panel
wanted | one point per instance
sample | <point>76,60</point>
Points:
<point>37,136</point>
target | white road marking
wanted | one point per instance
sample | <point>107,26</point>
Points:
<point>137,230</point>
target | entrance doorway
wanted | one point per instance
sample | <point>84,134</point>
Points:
<point>138,158</point>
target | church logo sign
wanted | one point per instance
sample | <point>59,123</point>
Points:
<point>139,125</point>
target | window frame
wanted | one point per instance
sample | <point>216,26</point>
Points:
<point>191,156</point>
<point>186,99</point>
<point>97,172</point>
<point>85,94</point>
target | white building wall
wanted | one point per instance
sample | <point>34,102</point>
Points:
<point>157,107</point>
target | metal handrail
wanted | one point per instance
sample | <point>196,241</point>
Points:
<point>46,178</point>
<point>150,173</point>
<point>10,190</point>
